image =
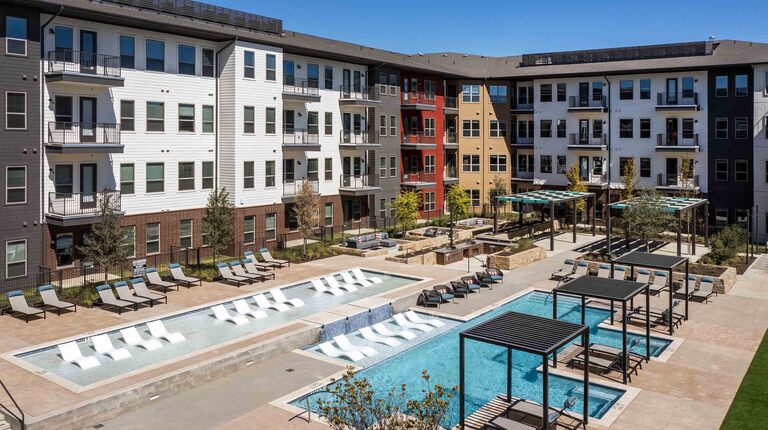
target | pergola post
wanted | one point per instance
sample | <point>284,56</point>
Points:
<point>594,213</point>
<point>574,221</point>
<point>671,295</point>
<point>545,394</point>
<point>554,316</point>
<point>520,214</point>
<point>551,226</point>
<point>706,224</point>
<point>624,340</point>
<point>461,381</point>
<point>585,412</point>
<point>686,289</point>
<point>509,375</point>
<point>694,218</point>
<point>679,236</point>
<point>647,324</point>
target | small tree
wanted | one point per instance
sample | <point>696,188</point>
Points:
<point>628,180</point>
<point>219,221</point>
<point>306,208</point>
<point>105,244</point>
<point>645,218</point>
<point>458,201</point>
<point>407,209</point>
<point>727,243</point>
<point>575,183</point>
<point>497,189</point>
<point>687,188</point>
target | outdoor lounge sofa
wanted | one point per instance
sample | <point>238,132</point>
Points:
<point>429,297</point>
<point>370,240</point>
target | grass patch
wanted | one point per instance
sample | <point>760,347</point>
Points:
<point>315,251</point>
<point>751,403</point>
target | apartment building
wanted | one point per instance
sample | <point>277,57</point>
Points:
<point>760,166</point>
<point>384,85</point>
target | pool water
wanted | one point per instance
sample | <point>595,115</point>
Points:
<point>486,364</point>
<point>202,331</point>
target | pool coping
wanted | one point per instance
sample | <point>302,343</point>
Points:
<point>675,342</point>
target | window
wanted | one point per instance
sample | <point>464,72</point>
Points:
<point>156,116</point>
<point>63,112</point>
<point>470,163</point>
<point>545,93</point>
<point>498,163</point>
<point>63,178</point>
<point>645,89</point>
<point>16,111</point>
<point>249,64</point>
<point>382,125</point>
<point>470,93</point>
<point>561,164</point>
<point>249,229</point>
<point>248,175</point>
<point>269,173</point>
<point>187,176</point>
<point>127,52</point>
<point>382,167</point>
<point>525,163</point>
<point>626,89</point>
<point>561,92</point>
<point>498,128</point>
<point>721,128</point>
<point>393,84</point>
<point>625,128</point>
<point>313,76</point>
<point>597,128</point>
<point>645,167</point>
<point>545,128</point>
<point>429,164</point>
<point>741,216</point>
<point>186,60</point>
<point>271,223</point>
<point>155,177</point>
<point>471,128</point>
<point>127,179</point>
<point>328,169</point>
<point>328,123</point>
<point>721,170</point>
<point>392,210</point>
<point>597,91</point>
<point>15,35</point>
<point>383,83</point>
<point>623,163</point>
<point>561,128</point>
<point>127,115</point>
<point>687,85</point>
<point>153,238</point>
<point>741,171</point>
<point>208,62</point>
<point>393,125</point>
<point>721,86</point>
<point>185,233</point>
<point>271,70</point>
<point>207,175</point>
<point>382,208</point>
<point>155,51</point>
<point>474,197</point>
<point>328,77</point>
<point>429,90</point>
<point>208,119</point>
<point>645,128</point>
<point>129,242</point>
<point>186,118</point>
<point>249,122</point>
<point>742,128</point>
<point>429,201</point>
<point>312,166</point>
<point>687,128</point>
<point>721,217</point>
<point>15,185</point>
<point>545,161</point>
<point>741,88</point>
<point>15,258</point>
<point>392,166</point>
<point>328,214</point>
<point>270,121</point>
<point>429,127</point>
<point>498,94</point>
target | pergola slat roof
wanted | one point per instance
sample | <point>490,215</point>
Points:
<point>545,197</point>
<point>671,204</point>
<point>602,288</point>
<point>653,261</point>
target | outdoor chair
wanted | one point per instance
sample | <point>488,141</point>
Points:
<point>474,284</point>
<point>243,308</point>
<point>604,271</point>
<point>103,345</point>
<point>141,290</point>
<point>643,276</point>
<point>459,288</point>
<point>237,270</point>
<point>660,283</point>
<point>705,291</point>
<point>279,297</point>
<point>71,353</point>
<point>155,280</point>
<point>157,330</point>
<point>51,300</point>
<point>252,258</point>
<point>222,314</point>
<point>253,269</point>
<point>328,349</point>
<point>332,282</point>
<point>429,297</point>
<point>19,306</point>
<point>263,302</point>
<point>383,330</point>
<point>346,345</point>
<point>178,274</point>
<point>568,268</point>
<point>620,273</point>
<point>361,276</point>
<point>265,254</point>
<point>320,287</point>
<point>368,334</point>
<point>124,293</point>
<point>228,276</point>
<point>582,269</point>
<point>495,274</point>
<point>347,277</point>
<point>107,298</point>
<point>416,319</point>
<point>446,293</point>
<point>404,323</point>
<point>132,337</point>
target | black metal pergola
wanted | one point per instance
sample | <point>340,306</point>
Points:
<point>531,334</point>
<point>613,290</point>
<point>552,198</point>
<point>658,262</point>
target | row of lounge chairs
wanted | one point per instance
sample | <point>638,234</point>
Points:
<point>127,298</point>
<point>243,309</point>
<point>342,346</point>
<point>605,359</point>
<point>350,281</point>
<point>521,409</point>
<point>242,272</point>
<point>462,287</point>
<point>102,344</point>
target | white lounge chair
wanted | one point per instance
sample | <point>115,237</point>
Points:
<point>402,322</point>
<point>178,274</point>
<point>370,336</point>
<point>279,297</point>
<point>71,353</point>
<point>582,269</point>
<point>604,271</point>
<point>643,276</point>
<point>565,271</point>
<point>103,345</point>
<point>705,291</point>
<point>107,297</point>
<point>132,337</point>
<point>343,342</point>
<point>619,272</point>
<point>243,308</point>
<point>332,282</point>
<point>157,329</point>
<point>222,314</point>
<point>263,302</point>
<point>346,277</point>
<point>660,283</point>
<point>360,275</point>
<point>385,331</point>
<point>416,319</point>
<point>320,287</point>
<point>328,349</point>
<point>256,263</point>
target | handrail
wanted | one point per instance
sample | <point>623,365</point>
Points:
<point>67,60</point>
<point>357,92</point>
<point>309,87</point>
<point>70,133</point>
<point>306,398</point>
<point>21,419</point>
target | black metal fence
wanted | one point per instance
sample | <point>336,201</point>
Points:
<point>66,60</point>
<point>73,133</point>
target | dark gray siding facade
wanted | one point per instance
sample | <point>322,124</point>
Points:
<point>389,93</point>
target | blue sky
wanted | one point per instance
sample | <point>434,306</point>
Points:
<point>507,27</point>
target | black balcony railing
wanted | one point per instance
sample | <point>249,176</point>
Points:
<point>578,102</point>
<point>450,172</point>
<point>522,106</point>
<point>294,186</point>
<point>65,60</point>
<point>450,103</point>
<point>416,177</point>
<point>302,87</point>
<point>674,139</point>
<point>76,133</point>
<point>677,180</point>
<point>522,174</point>
<point>587,139</point>
<point>417,97</point>
<point>450,137</point>
<point>685,98</point>
<point>357,182</point>
<point>418,137</point>
<point>358,92</point>
<point>77,204</point>
<point>357,137</point>
<point>300,137</point>
<point>522,140</point>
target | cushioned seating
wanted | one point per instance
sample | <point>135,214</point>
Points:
<point>371,240</point>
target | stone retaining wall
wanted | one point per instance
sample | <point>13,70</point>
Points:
<point>510,262</point>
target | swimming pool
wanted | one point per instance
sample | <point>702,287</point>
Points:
<point>202,331</point>
<point>486,364</point>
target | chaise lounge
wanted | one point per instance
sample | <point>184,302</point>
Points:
<point>51,300</point>
<point>19,306</point>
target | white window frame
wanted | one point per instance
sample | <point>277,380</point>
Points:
<point>382,167</point>
<point>186,121</point>
<point>7,260</point>
<point>273,176</point>
<point>7,39</point>
<point>202,174</point>
<point>392,166</point>
<point>249,178</point>
<point>186,178</point>
<point>267,69</point>
<point>7,188</point>
<point>267,235</point>
<point>251,233</point>
<point>132,235</point>
<point>146,237</point>
<point>393,125</point>
<point>190,236</point>
<point>212,122</point>
<point>160,120</point>
<point>429,201</point>
<point>147,180</point>
<point>252,123</point>
<point>470,93</point>
<point>7,93</point>
<point>246,67</point>
<point>383,125</point>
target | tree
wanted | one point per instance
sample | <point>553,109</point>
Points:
<point>687,188</point>
<point>646,218</point>
<point>727,243</point>
<point>628,180</point>
<point>105,244</point>
<point>219,221</point>
<point>576,184</point>
<point>306,209</point>
<point>407,209</point>
<point>498,188</point>
<point>458,201</point>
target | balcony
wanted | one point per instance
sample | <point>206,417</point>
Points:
<point>357,95</point>
<point>450,106</point>
<point>418,180</point>
<point>522,175</point>
<point>418,140</point>
<point>290,189</point>
<point>352,139</point>
<point>676,182</point>
<point>357,185</point>
<point>686,100</point>
<point>677,143</point>
<point>67,210</point>
<point>450,140</point>
<point>590,142</point>
<point>598,180</point>
<point>84,68</point>
<point>521,108</point>
<point>586,104</point>
<point>300,90</point>
<point>301,140</point>
<point>83,138</point>
<point>450,175</point>
<point>418,101</point>
<point>522,141</point>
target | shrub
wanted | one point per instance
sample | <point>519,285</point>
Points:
<point>726,244</point>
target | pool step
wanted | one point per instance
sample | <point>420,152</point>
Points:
<point>4,424</point>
